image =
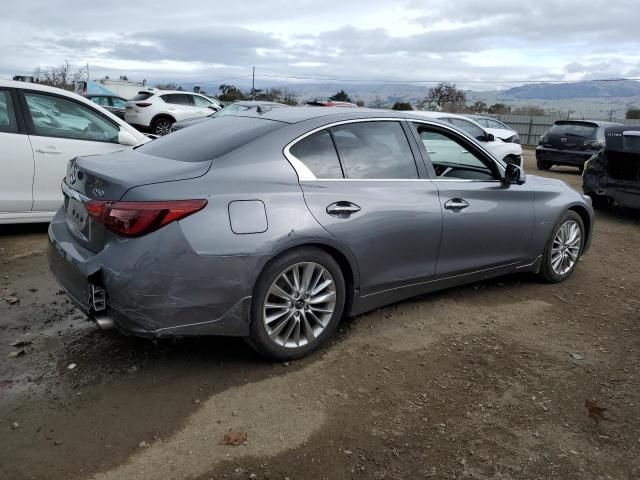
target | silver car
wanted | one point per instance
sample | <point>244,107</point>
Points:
<point>275,225</point>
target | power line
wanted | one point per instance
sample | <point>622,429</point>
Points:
<point>370,80</point>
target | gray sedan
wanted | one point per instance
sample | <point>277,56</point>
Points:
<point>275,225</point>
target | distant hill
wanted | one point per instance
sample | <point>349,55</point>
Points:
<point>565,91</point>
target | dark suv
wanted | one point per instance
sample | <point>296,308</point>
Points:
<point>613,175</point>
<point>570,142</point>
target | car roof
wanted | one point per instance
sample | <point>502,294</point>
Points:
<point>599,123</point>
<point>301,114</point>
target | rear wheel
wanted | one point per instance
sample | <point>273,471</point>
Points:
<point>563,248</point>
<point>162,126</point>
<point>297,304</point>
<point>543,164</point>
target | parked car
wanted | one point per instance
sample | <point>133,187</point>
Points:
<point>232,109</point>
<point>111,103</point>
<point>41,129</point>
<point>570,142</point>
<point>613,174</point>
<point>273,226</point>
<point>499,129</point>
<point>331,103</point>
<point>156,110</point>
<point>505,151</point>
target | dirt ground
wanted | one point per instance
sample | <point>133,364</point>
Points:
<point>485,381</point>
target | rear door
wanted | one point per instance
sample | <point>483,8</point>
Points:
<point>16,157</point>
<point>180,105</point>
<point>485,223</point>
<point>364,187</point>
<point>60,129</point>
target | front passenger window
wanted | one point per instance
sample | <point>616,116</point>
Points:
<point>54,116</point>
<point>451,159</point>
<point>7,114</point>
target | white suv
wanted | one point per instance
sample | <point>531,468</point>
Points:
<point>157,110</point>
<point>503,150</point>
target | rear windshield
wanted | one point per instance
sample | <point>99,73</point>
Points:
<point>210,139</point>
<point>575,129</point>
<point>142,96</point>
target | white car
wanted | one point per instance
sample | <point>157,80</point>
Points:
<point>41,129</point>
<point>506,151</point>
<point>157,110</point>
<point>498,128</point>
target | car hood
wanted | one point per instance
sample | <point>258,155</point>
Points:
<point>501,133</point>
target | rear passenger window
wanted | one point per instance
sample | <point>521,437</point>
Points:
<point>176,98</point>
<point>7,114</point>
<point>374,150</point>
<point>319,155</point>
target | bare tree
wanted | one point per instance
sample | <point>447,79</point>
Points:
<point>445,96</point>
<point>60,76</point>
<point>377,102</point>
<point>168,86</point>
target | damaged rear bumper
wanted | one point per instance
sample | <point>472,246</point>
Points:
<point>156,285</point>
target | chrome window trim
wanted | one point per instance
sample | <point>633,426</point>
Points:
<point>305,174</point>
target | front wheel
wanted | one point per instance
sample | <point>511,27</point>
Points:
<point>563,248</point>
<point>297,304</point>
<point>543,164</point>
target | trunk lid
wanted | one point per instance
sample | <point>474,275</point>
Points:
<point>570,135</point>
<point>108,177</point>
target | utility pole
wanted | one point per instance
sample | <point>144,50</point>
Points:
<point>253,84</point>
<point>88,77</point>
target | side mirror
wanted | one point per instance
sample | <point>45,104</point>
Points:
<point>127,138</point>
<point>489,137</point>
<point>514,174</point>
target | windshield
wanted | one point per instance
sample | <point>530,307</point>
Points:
<point>568,129</point>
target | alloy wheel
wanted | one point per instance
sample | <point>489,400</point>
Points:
<point>566,247</point>
<point>163,127</point>
<point>299,305</point>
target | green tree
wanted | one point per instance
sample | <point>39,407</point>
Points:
<point>633,114</point>
<point>341,96</point>
<point>402,106</point>
<point>230,93</point>
<point>499,109</point>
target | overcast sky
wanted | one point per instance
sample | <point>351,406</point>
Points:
<point>463,40</point>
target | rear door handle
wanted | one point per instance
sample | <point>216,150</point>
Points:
<point>342,209</point>
<point>456,204</point>
<point>52,152</point>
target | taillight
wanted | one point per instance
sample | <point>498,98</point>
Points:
<point>143,104</point>
<point>133,219</point>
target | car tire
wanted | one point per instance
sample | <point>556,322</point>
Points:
<point>515,159</point>
<point>162,126</point>
<point>558,262</point>
<point>601,202</point>
<point>286,329</point>
<point>543,164</point>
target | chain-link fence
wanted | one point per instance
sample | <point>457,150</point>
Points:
<point>530,128</point>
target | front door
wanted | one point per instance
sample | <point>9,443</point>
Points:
<point>485,222</point>
<point>369,195</point>
<point>61,129</point>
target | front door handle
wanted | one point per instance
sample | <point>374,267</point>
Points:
<point>456,204</point>
<point>342,209</point>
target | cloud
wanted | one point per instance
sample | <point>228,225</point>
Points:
<point>467,40</point>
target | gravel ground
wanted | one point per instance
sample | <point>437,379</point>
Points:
<point>484,381</point>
